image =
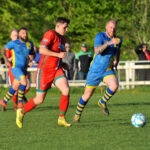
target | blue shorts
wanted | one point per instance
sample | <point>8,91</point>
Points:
<point>19,73</point>
<point>94,78</point>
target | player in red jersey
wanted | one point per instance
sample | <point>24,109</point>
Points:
<point>50,71</point>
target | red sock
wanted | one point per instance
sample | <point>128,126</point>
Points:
<point>64,102</point>
<point>15,99</point>
<point>28,106</point>
<point>26,90</point>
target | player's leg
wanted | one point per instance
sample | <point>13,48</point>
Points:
<point>21,91</point>
<point>11,80</point>
<point>42,85</point>
<point>82,103</point>
<point>62,84</point>
<point>112,83</point>
<point>9,94</point>
<point>31,104</point>
<point>26,90</point>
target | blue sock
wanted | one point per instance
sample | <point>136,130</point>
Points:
<point>108,94</point>
<point>21,91</point>
<point>80,107</point>
<point>9,94</point>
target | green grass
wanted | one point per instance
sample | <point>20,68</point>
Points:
<point>94,132</point>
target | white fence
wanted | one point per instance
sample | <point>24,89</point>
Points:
<point>126,73</point>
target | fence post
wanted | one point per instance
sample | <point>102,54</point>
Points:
<point>127,74</point>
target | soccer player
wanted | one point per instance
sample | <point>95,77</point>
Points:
<point>107,51</point>
<point>52,49</point>
<point>20,49</point>
<point>13,37</point>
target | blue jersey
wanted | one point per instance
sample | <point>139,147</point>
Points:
<point>103,62</point>
<point>20,52</point>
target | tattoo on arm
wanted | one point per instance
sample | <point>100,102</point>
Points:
<point>101,48</point>
<point>4,55</point>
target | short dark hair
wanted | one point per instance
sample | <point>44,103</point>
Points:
<point>23,28</point>
<point>62,20</point>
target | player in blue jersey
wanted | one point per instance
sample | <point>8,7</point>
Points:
<point>21,49</point>
<point>107,52</point>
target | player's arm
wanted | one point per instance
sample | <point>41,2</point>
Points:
<point>3,52</point>
<point>45,51</point>
<point>116,60</point>
<point>99,49</point>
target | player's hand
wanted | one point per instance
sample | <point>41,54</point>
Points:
<point>62,54</point>
<point>114,41</point>
<point>8,63</point>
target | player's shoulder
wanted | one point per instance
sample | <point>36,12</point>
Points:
<point>100,35</point>
<point>30,42</point>
<point>50,32</point>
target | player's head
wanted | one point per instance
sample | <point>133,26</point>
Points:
<point>144,47</point>
<point>23,34</point>
<point>67,47</point>
<point>84,47</point>
<point>61,26</point>
<point>111,26</point>
<point>14,34</point>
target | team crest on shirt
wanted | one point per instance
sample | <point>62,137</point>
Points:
<point>28,44</point>
<point>45,40</point>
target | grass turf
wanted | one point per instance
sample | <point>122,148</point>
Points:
<point>95,131</point>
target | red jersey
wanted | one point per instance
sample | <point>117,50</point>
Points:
<point>54,42</point>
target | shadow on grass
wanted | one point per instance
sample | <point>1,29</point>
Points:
<point>117,104</point>
<point>41,108</point>
<point>139,103</point>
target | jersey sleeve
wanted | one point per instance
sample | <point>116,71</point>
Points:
<point>98,40</point>
<point>120,43</point>
<point>32,49</point>
<point>47,39</point>
<point>9,45</point>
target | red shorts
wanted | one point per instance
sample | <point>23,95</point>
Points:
<point>45,78</point>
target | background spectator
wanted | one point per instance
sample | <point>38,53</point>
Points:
<point>83,60</point>
<point>143,54</point>
<point>2,74</point>
<point>33,63</point>
<point>70,61</point>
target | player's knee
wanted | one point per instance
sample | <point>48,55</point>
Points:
<point>86,97</point>
<point>66,91</point>
<point>115,87</point>
<point>38,100</point>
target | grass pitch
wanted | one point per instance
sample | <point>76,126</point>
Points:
<point>95,131</point>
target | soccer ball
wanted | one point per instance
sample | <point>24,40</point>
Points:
<point>138,120</point>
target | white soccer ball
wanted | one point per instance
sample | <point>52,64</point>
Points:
<point>138,120</point>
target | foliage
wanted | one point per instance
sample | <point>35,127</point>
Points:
<point>87,19</point>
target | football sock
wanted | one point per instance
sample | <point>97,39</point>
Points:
<point>64,102</point>
<point>9,94</point>
<point>21,91</point>
<point>28,106</point>
<point>80,107</point>
<point>108,94</point>
<point>15,98</point>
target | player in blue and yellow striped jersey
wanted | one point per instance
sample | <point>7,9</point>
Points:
<point>107,52</point>
<point>21,49</point>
